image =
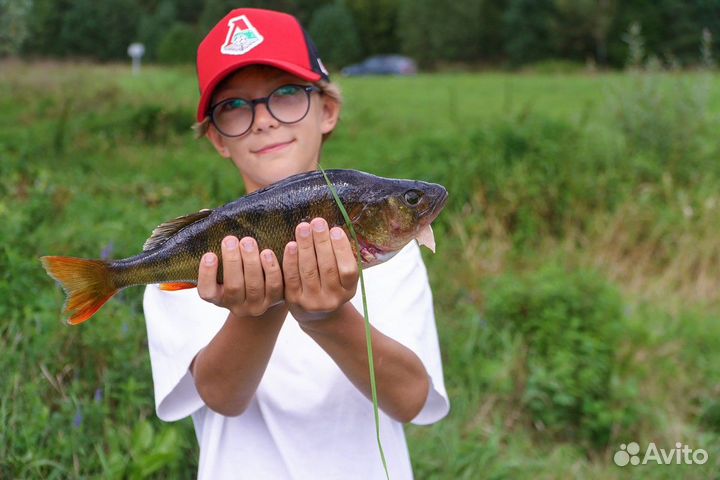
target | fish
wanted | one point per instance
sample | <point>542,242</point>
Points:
<point>386,215</point>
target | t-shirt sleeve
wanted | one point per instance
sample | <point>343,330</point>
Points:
<point>179,324</point>
<point>400,299</point>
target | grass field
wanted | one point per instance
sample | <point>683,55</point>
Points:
<point>575,280</point>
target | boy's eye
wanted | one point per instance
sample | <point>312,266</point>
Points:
<point>287,90</point>
<point>234,104</point>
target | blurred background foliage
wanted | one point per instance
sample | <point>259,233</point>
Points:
<point>575,281</point>
<point>478,33</point>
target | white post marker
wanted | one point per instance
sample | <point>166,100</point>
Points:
<point>136,52</point>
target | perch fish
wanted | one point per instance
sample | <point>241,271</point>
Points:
<point>386,215</point>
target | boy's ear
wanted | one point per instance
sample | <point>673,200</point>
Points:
<point>331,115</point>
<point>218,141</point>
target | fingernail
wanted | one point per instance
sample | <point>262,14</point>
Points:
<point>247,245</point>
<point>304,231</point>
<point>209,259</point>
<point>336,233</point>
<point>292,248</point>
<point>231,243</point>
<point>318,226</point>
<point>268,257</point>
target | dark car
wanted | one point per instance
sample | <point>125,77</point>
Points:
<point>382,65</point>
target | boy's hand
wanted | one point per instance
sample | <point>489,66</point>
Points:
<point>320,271</point>
<point>252,280</point>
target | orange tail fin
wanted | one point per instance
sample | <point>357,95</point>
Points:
<point>88,284</point>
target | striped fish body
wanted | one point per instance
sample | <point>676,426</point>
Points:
<point>386,214</point>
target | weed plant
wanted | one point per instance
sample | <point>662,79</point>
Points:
<point>548,373</point>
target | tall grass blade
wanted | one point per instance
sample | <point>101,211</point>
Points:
<point>368,337</point>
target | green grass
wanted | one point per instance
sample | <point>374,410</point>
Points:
<point>612,176</point>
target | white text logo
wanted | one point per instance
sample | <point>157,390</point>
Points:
<point>680,455</point>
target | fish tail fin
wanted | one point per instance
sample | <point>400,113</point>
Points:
<point>88,284</point>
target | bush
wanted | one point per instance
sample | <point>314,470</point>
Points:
<point>179,45</point>
<point>534,172</point>
<point>333,29</point>
<point>710,416</point>
<point>664,115</point>
<point>568,326</point>
<point>530,30</point>
<point>100,30</point>
<point>154,123</point>
<point>152,28</point>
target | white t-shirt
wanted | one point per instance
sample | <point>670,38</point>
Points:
<point>306,420</point>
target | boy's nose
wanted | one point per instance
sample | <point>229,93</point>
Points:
<point>263,118</point>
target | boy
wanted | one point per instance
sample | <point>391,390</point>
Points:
<point>272,363</point>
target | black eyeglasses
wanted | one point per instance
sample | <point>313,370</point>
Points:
<point>233,117</point>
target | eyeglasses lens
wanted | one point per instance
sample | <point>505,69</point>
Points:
<point>233,117</point>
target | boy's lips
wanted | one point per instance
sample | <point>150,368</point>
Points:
<point>273,147</point>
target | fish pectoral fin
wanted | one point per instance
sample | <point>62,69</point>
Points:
<point>172,287</point>
<point>168,229</point>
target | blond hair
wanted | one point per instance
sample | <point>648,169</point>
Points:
<point>328,89</point>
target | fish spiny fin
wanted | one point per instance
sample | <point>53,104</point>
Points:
<point>168,229</point>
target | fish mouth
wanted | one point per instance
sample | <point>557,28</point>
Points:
<point>434,209</point>
<point>425,234</point>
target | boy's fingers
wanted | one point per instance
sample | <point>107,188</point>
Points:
<point>291,273</point>
<point>252,270</point>
<point>326,264</point>
<point>346,260</point>
<point>233,280</point>
<point>307,263</point>
<point>208,287</point>
<point>273,275</point>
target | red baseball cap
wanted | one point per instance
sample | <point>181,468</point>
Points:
<point>250,36</point>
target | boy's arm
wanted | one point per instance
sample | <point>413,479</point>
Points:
<point>401,379</point>
<point>228,370</point>
<point>320,275</point>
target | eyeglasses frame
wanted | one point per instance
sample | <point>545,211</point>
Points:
<point>308,89</point>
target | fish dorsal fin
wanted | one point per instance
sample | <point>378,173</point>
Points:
<point>168,229</point>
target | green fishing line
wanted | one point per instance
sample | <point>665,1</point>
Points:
<point>368,337</point>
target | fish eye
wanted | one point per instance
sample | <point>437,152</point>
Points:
<point>412,197</point>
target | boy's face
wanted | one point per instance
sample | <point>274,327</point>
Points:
<point>271,151</point>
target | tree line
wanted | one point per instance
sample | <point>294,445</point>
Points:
<point>434,32</point>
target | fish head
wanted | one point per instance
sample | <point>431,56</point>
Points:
<point>392,213</point>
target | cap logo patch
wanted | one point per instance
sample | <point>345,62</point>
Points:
<point>241,37</point>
